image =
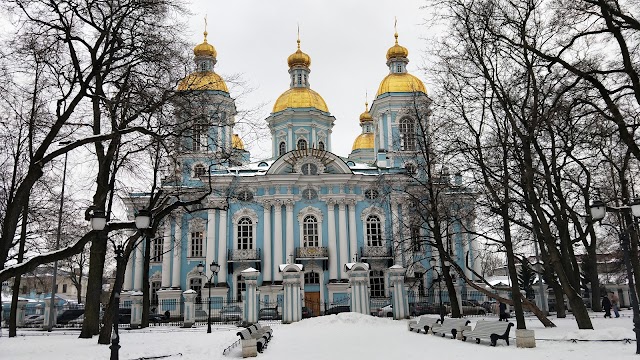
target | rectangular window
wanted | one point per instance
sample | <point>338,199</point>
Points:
<point>245,234</point>
<point>64,288</point>
<point>376,283</point>
<point>157,249</point>
<point>196,243</point>
<point>415,238</point>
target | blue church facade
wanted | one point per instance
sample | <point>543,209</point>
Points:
<point>305,204</point>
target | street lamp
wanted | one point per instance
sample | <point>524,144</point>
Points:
<point>434,266</point>
<point>598,212</point>
<point>54,286</point>
<point>214,267</point>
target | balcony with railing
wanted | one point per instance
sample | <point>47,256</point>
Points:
<point>312,252</point>
<point>243,255</point>
<point>376,252</point>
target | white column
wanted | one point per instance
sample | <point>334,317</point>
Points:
<point>333,246</point>
<point>166,256</point>
<point>277,240</point>
<point>397,245</point>
<point>211,239</point>
<point>405,237</point>
<point>222,247</point>
<point>344,241</point>
<point>380,134</point>
<point>266,276</point>
<point>290,144</point>
<point>290,250</point>
<point>353,245</point>
<point>314,139</point>
<point>137,280</point>
<point>389,133</point>
<point>177,252</point>
<point>128,274</point>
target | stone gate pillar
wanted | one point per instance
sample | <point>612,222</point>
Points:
<point>22,307</point>
<point>47,310</point>
<point>136,309</point>
<point>189,308</point>
<point>250,313</point>
<point>169,300</point>
<point>359,283</point>
<point>398,292</point>
<point>292,307</point>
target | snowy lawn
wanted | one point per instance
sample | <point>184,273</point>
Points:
<point>335,337</point>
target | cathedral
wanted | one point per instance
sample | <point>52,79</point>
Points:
<point>303,205</point>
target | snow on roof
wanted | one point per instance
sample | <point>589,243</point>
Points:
<point>249,270</point>
<point>283,266</point>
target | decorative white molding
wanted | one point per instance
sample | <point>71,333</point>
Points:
<point>310,210</point>
<point>245,212</point>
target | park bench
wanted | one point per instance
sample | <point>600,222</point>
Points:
<point>254,339</point>
<point>450,325</point>
<point>489,330</point>
<point>425,323</point>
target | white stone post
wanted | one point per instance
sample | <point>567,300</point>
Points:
<point>250,313</point>
<point>189,307</point>
<point>359,282</point>
<point>292,304</point>
<point>47,310</point>
<point>525,338</point>
<point>22,307</point>
<point>136,309</point>
<point>398,292</point>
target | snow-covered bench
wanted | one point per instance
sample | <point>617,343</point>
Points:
<point>425,323</point>
<point>492,330</point>
<point>452,326</point>
<point>254,339</point>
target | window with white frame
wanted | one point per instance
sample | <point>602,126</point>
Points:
<point>309,194</point>
<point>321,145</point>
<point>310,169</point>
<point>302,144</point>
<point>199,170</point>
<point>156,249</point>
<point>245,234</point>
<point>242,286</point>
<point>282,148</point>
<point>374,231</point>
<point>197,241</point>
<point>371,194</point>
<point>408,134</point>
<point>310,231</point>
<point>195,284</point>
<point>311,278</point>
<point>200,136</point>
<point>376,283</point>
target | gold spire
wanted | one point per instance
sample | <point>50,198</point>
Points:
<point>366,116</point>
<point>397,51</point>
<point>205,49</point>
<point>298,57</point>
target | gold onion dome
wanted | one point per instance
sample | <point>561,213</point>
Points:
<point>400,83</point>
<point>299,58</point>
<point>366,116</point>
<point>300,98</point>
<point>363,141</point>
<point>203,80</point>
<point>205,49</point>
<point>236,142</point>
<point>397,51</point>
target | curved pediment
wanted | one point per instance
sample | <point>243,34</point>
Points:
<point>309,162</point>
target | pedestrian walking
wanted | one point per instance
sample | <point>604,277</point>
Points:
<point>614,303</point>
<point>503,312</point>
<point>606,305</point>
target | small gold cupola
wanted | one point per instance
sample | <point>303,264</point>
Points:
<point>299,58</point>
<point>204,77</point>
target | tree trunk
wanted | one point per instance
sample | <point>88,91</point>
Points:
<point>98,251</point>
<point>16,281</point>
<point>112,307</point>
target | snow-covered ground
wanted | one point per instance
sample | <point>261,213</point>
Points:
<point>343,336</point>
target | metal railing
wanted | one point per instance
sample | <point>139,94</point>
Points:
<point>312,252</point>
<point>380,252</point>
<point>243,254</point>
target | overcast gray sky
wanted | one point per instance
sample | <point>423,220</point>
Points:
<point>347,41</point>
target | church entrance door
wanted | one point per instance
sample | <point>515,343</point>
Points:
<point>312,301</point>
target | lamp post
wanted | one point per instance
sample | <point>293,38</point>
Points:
<point>434,266</point>
<point>598,212</point>
<point>143,222</point>
<point>214,267</point>
<point>54,285</point>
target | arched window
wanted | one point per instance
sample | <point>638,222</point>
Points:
<point>199,170</point>
<point>374,231</point>
<point>408,134</point>
<point>195,284</point>
<point>310,231</point>
<point>310,169</point>
<point>245,234</point>
<point>242,286</point>
<point>321,145</point>
<point>311,278</point>
<point>376,283</point>
<point>282,148</point>
<point>302,144</point>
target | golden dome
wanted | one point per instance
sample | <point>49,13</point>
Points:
<point>363,141</point>
<point>203,80</point>
<point>397,51</point>
<point>205,49</point>
<point>365,116</point>
<point>400,82</point>
<point>300,98</point>
<point>299,58</point>
<point>236,142</point>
